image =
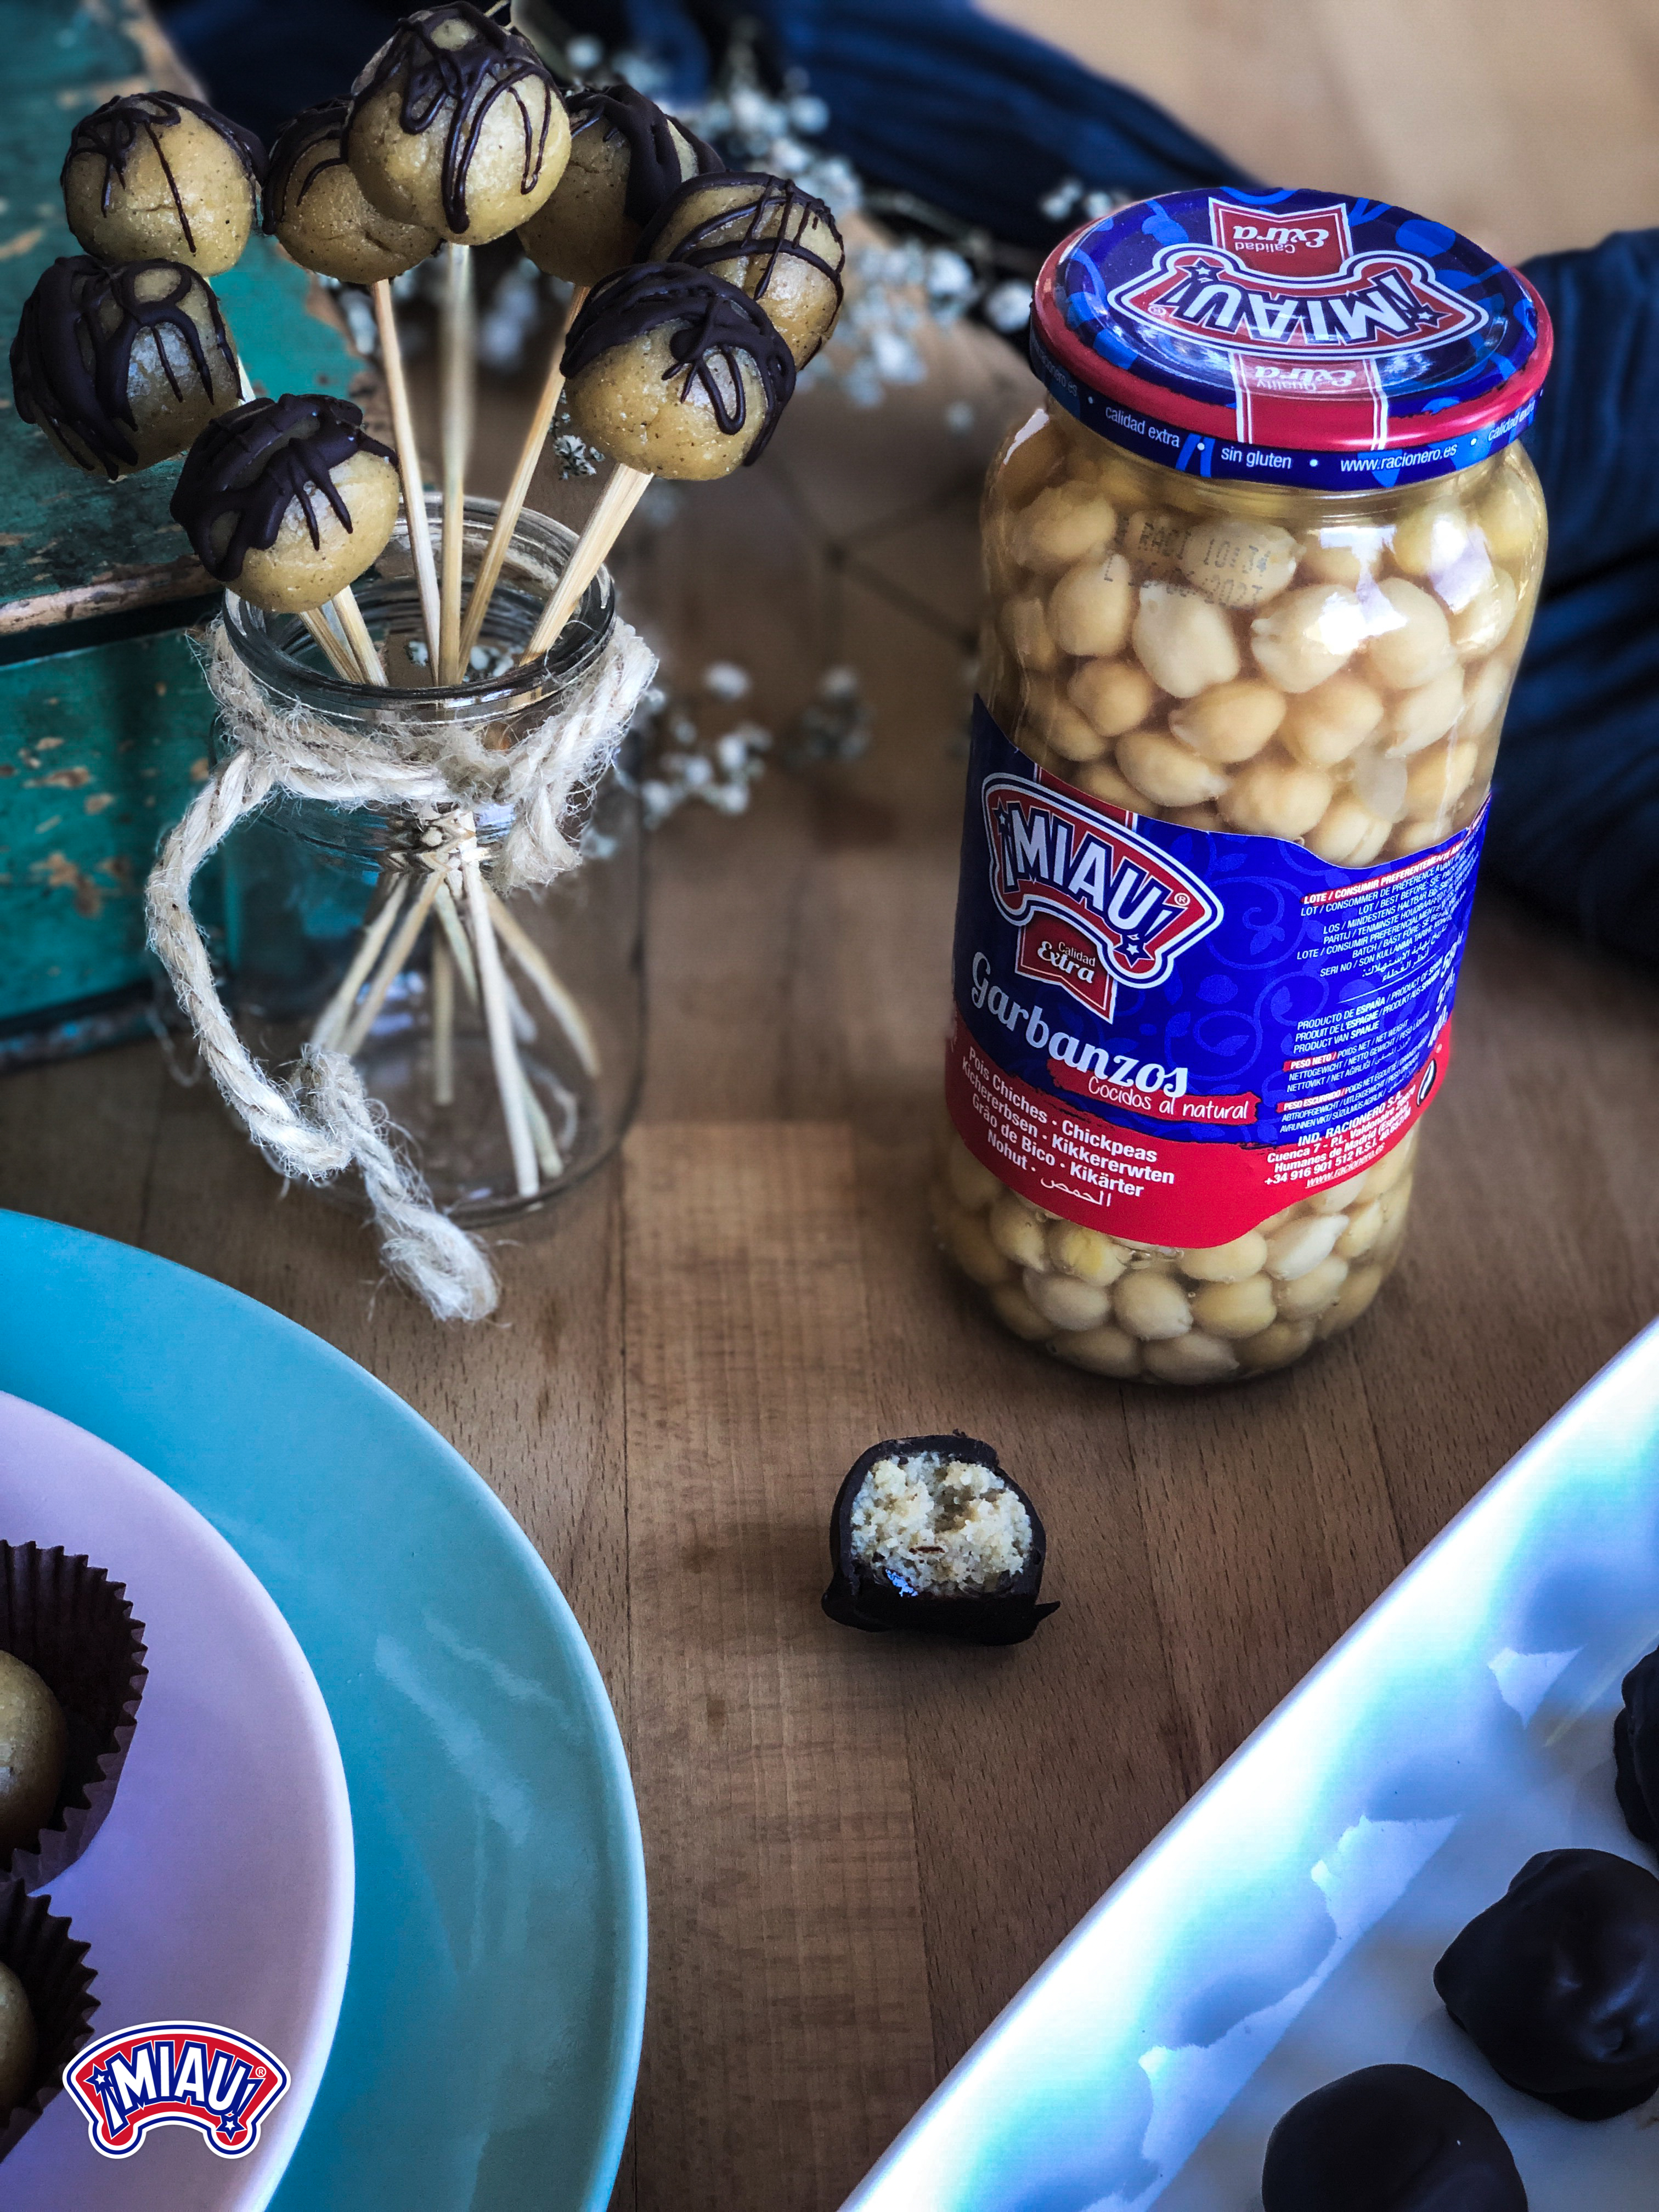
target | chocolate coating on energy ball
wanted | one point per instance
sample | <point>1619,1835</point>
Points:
<point>676,372</point>
<point>159,174</point>
<point>1558,1984</point>
<point>1390,2139</point>
<point>457,127</point>
<point>627,159</point>
<point>121,367</point>
<point>766,236</point>
<point>34,1743</point>
<point>287,500</point>
<point>1636,1750</point>
<point>316,208</point>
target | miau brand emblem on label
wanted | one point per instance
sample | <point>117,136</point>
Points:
<point>180,2073</point>
<point>1096,906</point>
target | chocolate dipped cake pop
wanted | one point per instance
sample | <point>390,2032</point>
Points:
<point>768,237</point>
<point>287,500</point>
<point>159,174</point>
<point>1558,1984</point>
<point>315,208</point>
<point>34,1743</point>
<point>1390,2139</point>
<point>456,126</point>
<point>121,367</point>
<point>1636,1750</point>
<point>20,2042</point>
<point>675,372</point>
<point>627,159</point>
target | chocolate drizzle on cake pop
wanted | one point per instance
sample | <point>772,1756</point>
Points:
<point>252,465</point>
<point>770,228</point>
<point>113,132</point>
<point>718,323</point>
<point>71,363</point>
<point>312,126</point>
<point>490,65</point>
<point>653,150</point>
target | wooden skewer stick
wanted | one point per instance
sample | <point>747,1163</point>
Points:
<point>334,1015</point>
<point>555,996</point>
<point>456,371</point>
<point>547,1154</point>
<point>621,495</point>
<point>443,1021</point>
<point>349,616</point>
<point>509,1077</point>
<point>535,438</point>
<point>402,943</point>
<point>408,467</point>
<point>333,644</point>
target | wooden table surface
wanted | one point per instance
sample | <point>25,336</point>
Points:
<point>858,1849</point>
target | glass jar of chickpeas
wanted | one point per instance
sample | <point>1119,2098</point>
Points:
<point>1260,566</point>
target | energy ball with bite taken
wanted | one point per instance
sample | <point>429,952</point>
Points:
<point>456,126</point>
<point>158,174</point>
<point>287,500</point>
<point>628,159</point>
<point>316,210</point>
<point>673,371</point>
<point>34,1742</point>
<point>766,236</point>
<point>122,367</point>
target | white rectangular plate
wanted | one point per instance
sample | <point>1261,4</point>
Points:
<point>1283,1928</point>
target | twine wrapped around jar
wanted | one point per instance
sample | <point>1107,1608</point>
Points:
<point>322,1121</point>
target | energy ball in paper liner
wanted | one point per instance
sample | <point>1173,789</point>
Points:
<point>455,127</point>
<point>766,235</point>
<point>287,500</point>
<point>157,173</point>
<point>627,159</point>
<point>1390,2139</point>
<point>34,1742</point>
<point>316,210</point>
<point>122,366</point>
<point>20,2043</point>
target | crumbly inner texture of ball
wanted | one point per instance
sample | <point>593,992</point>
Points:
<point>142,219</point>
<point>18,2043</point>
<point>635,403</point>
<point>402,171</point>
<point>327,224</point>
<point>941,1527</point>
<point>33,1743</point>
<point>292,573</point>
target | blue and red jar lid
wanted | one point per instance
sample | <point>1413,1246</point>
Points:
<point>1290,336</point>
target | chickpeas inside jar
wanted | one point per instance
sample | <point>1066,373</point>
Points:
<point>1317,651</point>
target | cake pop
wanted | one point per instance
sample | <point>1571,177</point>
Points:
<point>766,236</point>
<point>248,499</point>
<point>157,173</point>
<point>627,159</point>
<point>1390,2139</point>
<point>315,208</point>
<point>674,372</point>
<point>121,367</point>
<point>457,127</point>
<point>34,1740</point>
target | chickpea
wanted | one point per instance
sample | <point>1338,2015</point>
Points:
<point>1017,1230</point>
<point>1365,1225</point>
<point>1115,695</point>
<point>972,1184</point>
<point>1230,721</point>
<point>1195,818</point>
<point>966,1240</point>
<point>1196,1358</point>
<point>1430,540</point>
<point>1487,689</point>
<point>1066,1303</point>
<point>1237,563</point>
<point>1388,1171</point>
<point>1440,776</point>
<point>1307,635</point>
<point>1396,1205</point>
<point>1154,541</point>
<point>1342,554</point>
<point>1105,1351</point>
<point>1036,450</point>
<point>1235,1308</point>
<point>1028,637</point>
<point>1416,835</point>
<point>1420,718</point>
<point>1101,780</point>
<point>1016,1312</point>
<point>1085,1254</point>
<point>1411,640</point>
<point>1303,1297</point>
<point>1302,1245</point>
<point>1168,772</point>
<point>1065,524</point>
<point>1379,784</point>
<point>1226,1263</point>
<point>1184,643</point>
<point>1150,1305</point>
<point>1347,834</point>
<point>1061,727</point>
<point>1275,797</point>
<point>1326,725</point>
<point>1509,517</point>
<point>1356,1294</point>
<point>1340,1195</point>
<point>1482,621</point>
<point>1090,607</point>
<point>1002,571</point>
<point>1276,1346</point>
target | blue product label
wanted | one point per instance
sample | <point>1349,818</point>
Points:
<point>1173,1033</point>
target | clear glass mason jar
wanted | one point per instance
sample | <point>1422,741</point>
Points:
<point>301,882</point>
<point>1251,660</point>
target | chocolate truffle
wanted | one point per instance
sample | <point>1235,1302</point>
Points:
<point>34,1742</point>
<point>1636,1750</point>
<point>19,2042</point>
<point>768,237</point>
<point>675,372</point>
<point>455,127</point>
<point>1390,2139</point>
<point>287,500</point>
<point>929,1533</point>
<point>1558,1984</point>
<point>627,159</point>
<point>159,174</point>
<point>315,208</point>
<point>121,367</point>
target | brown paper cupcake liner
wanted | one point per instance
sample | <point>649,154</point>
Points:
<point>68,1621</point>
<point>43,1954</point>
